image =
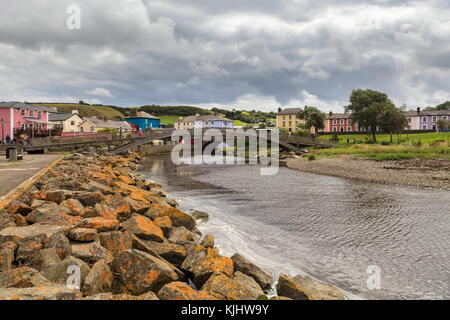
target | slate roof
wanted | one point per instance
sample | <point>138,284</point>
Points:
<point>289,111</point>
<point>208,117</point>
<point>20,105</point>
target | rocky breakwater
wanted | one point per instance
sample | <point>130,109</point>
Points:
<point>93,229</point>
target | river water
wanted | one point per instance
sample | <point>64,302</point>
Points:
<point>330,228</point>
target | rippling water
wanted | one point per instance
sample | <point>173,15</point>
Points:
<point>329,228</point>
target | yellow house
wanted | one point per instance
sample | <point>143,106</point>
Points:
<point>287,119</point>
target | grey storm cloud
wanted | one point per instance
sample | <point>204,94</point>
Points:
<point>250,54</point>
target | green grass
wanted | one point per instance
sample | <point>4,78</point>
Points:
<point>239,123</point>
<point>168,120</point>
<point>86,110</point>
<point>413,138</point>
<point>381,153</point>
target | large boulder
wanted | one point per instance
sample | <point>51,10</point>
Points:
<point>90,252</point>
<point>50,292</point>
<point>6,220</point>
<point>248,283</point>
<point>23,277</point>
<point>60,272</point>
<point>183,236</point>
<point>318,291</point>
<point>137,272</point>
<point>59,242</point>
<point>200,215</point>
<point>82,234</point>
<point>17,234</point>
<point>202,262</point>
<point>116,242</point>
<point>171,252</point>
<point>18,207</point>
<point>43,258</point>
<point>165,224</point>
<point>61,215</point>
<point>178,217</point>
<point>287,287</point>
<point>99,279</point>
<point>118,205</point>
<point>223,287</point>
<point>88,198</point>
<point>75,207</point>
<point>94,186</point>
<point>243,265</point>
<point>100,224</point>
<point>182,291</point>
<point>143,228</point>
<point>7,254</point>
<point>208,241</point>
<point>27,248</point>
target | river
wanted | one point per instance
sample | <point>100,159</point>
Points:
<point>330,228</point>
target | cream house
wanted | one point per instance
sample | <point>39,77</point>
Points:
<point>65,122</point>
<point>94,125</point>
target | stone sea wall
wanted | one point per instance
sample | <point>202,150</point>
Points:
<point>93,229</point>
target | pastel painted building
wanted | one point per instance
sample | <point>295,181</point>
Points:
<point>143,120</point>
<point>425,120</point>
<point>288,119</point>
<point>340,122</point>
<point>17,118</point>
<point>66,122</point>
<point>204,121</point>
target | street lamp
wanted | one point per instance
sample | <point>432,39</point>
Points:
<point>3,131</point>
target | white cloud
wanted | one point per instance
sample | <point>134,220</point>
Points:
<point>101,92</point>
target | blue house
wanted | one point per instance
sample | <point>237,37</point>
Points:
<point>143,120</point>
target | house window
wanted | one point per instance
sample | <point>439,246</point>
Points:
<point>290,123</point>
<point>434,118</point>
<point>349,121</point>
<point>284,123</point>
<point>334,129</point>
<point>444,118</point>
<point>284,117</point>
<point>349,129</point>
<point>424,119</point>
<point>409,120</point>
<point>334,121</point>
<point>39,115</point>
<point>22,112</point>
<point>342,121</point>
<point>81,129</point>
<point>424,127</point>
<point>31,114</point>
<point>72,123</point>
<point>92,129</point>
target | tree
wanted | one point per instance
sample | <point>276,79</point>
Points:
<point>367,107</point>
<point>313,118</point>
<point>443,125</point>
<point>393,120</point>
<point>443,106</point>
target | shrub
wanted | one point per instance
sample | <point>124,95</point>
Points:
<point>311,157</point>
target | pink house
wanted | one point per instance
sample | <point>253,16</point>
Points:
<point>17,118</point>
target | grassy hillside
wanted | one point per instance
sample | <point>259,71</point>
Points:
<point>86,110</point>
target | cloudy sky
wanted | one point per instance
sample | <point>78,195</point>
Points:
<point>234,53</point>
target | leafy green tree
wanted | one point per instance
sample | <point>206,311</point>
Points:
<point>443,106</point>
<point>313,118</point>
<point>393,120</point>
<point>367,107</point>
<point>443,125</point>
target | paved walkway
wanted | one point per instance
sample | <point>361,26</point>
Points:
<point>13,174</point>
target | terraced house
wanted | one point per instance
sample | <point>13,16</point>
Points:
<point>426,120</point>
<point>18,118</point>
<point>287,119</point>
<point>340,122</point>
<point>203,121</point>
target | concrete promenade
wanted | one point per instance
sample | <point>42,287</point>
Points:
<point>13,174</point>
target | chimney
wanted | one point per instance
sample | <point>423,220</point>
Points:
<point>418,110</point>
<point>279,110</point>
<point>74,111</point>
<point>331,113</point>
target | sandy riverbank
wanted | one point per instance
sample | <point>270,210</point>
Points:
<point>428,173</point>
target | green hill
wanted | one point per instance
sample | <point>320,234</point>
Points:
<point>85,110</point>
